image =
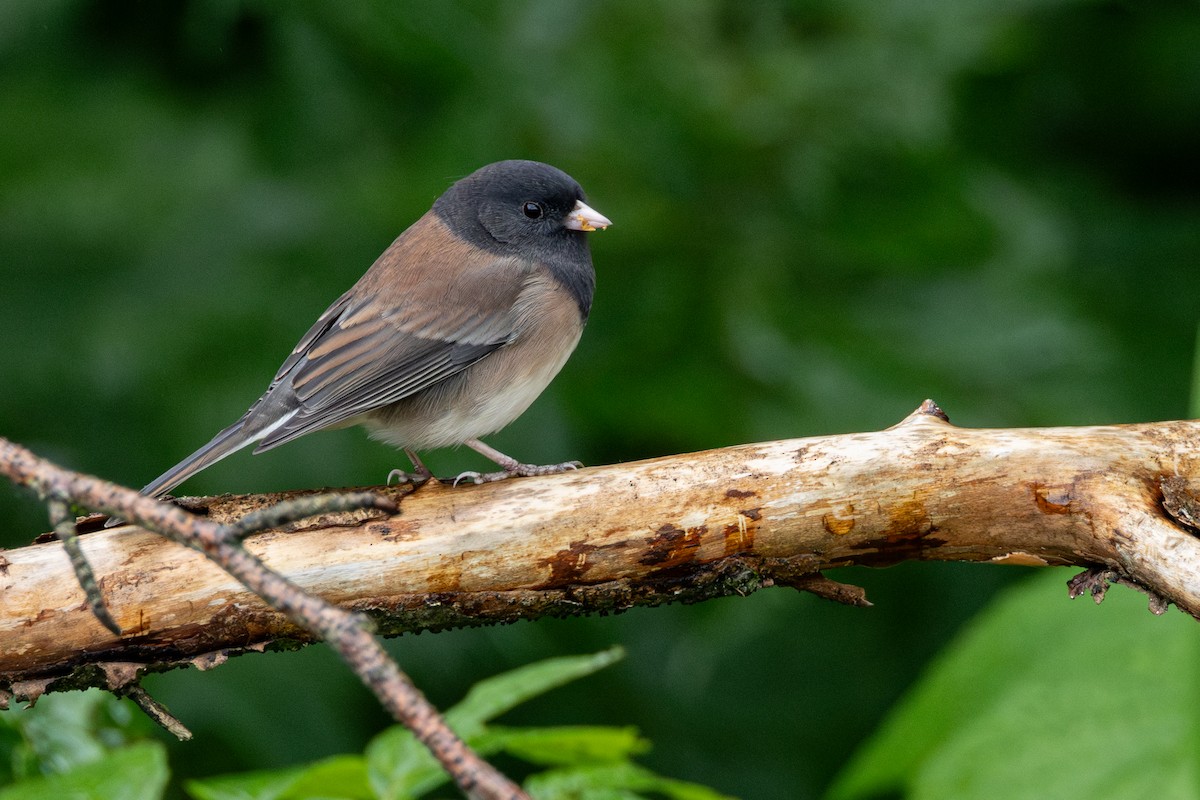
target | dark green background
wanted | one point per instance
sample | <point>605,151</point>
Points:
<point>825,212</point>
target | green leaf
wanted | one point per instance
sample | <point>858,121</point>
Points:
<point>65,731</point>
<point>566,745</point>
<point>417,772</point>
<point>613,782</point>
<point>261,785</point>
<point>492,697</point>
<point>399,767</point>
<point>1041,697</point>
<point>138,772</point>
<point>337,778</point>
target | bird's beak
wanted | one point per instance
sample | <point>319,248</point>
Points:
<point>585,218</point>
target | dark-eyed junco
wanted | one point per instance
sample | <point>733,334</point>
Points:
<point>449,336</point>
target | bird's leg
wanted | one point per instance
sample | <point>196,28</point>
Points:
<point>418,476</point>
<point>510,467</point>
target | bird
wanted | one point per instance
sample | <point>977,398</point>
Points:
<point>448,337</point>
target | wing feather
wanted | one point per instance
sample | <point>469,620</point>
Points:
<point>418,317</point>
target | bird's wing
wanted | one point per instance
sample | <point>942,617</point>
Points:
<point>389,339</point>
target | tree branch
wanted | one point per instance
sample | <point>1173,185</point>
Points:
<point>676,529</point>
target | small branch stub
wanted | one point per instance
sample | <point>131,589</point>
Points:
<point>157,712</point>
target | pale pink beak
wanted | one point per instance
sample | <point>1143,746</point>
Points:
<point>585,218</point>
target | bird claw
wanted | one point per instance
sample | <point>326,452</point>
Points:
<point>518,470</point>
<point>401,476</point>
<point>472,476</point>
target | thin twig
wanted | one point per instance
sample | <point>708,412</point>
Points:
<point>64,528</point>
<point>157,712</point>
<point>344,631</point>
<point>308,506</point>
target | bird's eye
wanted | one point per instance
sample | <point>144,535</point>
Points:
<point>533,210</point>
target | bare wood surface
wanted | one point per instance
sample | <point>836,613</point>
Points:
<point>681,528</point>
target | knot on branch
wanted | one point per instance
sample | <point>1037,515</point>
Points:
<point>1180,502</point>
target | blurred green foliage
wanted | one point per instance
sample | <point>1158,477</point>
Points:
<point>1043,700</point>
<point>87,746</point>
<point>585,762</point>
<point>826,211</point>
<point>80,745</point>
<point>70,731</point>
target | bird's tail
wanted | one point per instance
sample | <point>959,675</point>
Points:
<point>228,441</point>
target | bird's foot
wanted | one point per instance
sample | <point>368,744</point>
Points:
<point>509,466</point>
<point>516,469</point>
<point>398,476</point>
<point>417,477</point>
